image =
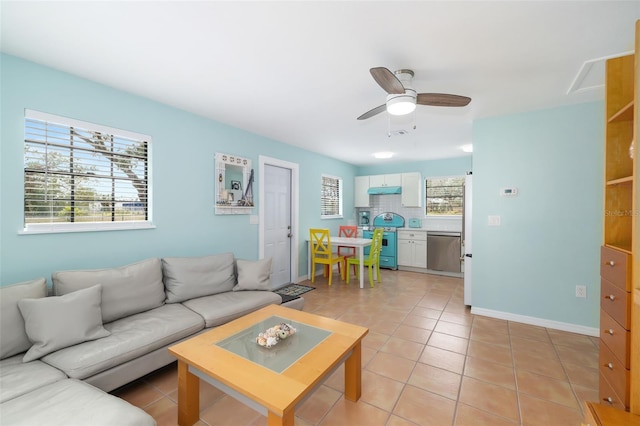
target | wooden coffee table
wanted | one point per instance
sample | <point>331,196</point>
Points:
<point>272,381</point>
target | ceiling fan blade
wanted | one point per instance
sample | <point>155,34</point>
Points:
<point>387,80</point>
<point>442,99</point>
<point>371,113</point>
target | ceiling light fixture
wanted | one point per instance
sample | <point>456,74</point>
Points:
<point>385,154</point>
<point>401,104</point>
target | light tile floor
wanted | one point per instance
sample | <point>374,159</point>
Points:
<point>425,361</point>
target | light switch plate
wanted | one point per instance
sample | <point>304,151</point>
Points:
<point>494,220</point>
<point>253,219</point>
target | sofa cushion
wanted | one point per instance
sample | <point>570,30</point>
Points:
<point>18,378</point>
<point>224,307</point>
<point>253,274</point>
<point>189,277</point>
<point>14,336</point>
<point>126,290</point>
<point>57,322</point>
<point>130,338</point>
<point>70,402</point>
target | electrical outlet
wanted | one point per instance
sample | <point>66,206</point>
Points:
<point>581,291</point>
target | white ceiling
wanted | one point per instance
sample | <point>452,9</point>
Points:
<point>298,72</point>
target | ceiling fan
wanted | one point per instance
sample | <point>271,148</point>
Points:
<point>402,97</point>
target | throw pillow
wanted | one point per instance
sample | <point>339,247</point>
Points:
<point>14,338</point>
<point>253,275</point>
<point>126,290</point>
<point>57,322</point>
<point>190,277</point>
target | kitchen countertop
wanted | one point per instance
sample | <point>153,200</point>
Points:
<point>406,228</point>
<point>442,231</point>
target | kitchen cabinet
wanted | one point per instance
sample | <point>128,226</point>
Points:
<point>377,181</point>
<point>361,196</point>
<point>619,268</point>
<point>412,248</point>
<point>411,189</point>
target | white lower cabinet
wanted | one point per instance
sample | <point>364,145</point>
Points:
<point>412,248</point>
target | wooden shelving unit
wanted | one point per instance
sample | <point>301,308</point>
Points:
<point>620,267</point>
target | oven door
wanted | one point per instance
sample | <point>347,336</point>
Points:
<point>388,257</point>
<point>388,254</point>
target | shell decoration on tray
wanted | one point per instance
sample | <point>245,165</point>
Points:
<point>273,335</point>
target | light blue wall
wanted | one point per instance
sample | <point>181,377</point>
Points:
<point>183,151</point>
<point>445,167</point>
<point>551,232</point>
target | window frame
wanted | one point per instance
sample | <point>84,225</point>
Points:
<point>426,197</point>
<point>70,226</point>
<point>340,183</point>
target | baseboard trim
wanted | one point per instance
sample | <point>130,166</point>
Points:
<point>541,322</point>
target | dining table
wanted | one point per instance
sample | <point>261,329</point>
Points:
<point>358,243</point>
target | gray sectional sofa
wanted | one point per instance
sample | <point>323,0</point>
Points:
<point>62,349</point>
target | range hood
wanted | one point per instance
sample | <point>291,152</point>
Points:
<point>384,190</point>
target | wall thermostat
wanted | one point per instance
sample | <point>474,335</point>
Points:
<point>509,192</point>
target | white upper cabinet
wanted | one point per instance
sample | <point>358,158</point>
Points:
<point>361,188</point>
<point>377,181</point>
<point>411,189</point>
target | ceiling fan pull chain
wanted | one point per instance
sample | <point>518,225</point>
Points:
<point>388,126</point>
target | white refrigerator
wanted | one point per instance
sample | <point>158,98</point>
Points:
<point>466,239</point>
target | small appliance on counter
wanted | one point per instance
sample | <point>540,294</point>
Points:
<point>414,222</point>
<point>363,218</point>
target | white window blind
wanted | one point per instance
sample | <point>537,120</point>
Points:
<point>444,196</point>
<point>331,197</point>
<point>83,176</point>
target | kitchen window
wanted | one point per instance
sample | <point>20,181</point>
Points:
<point>81,176</point>
<point>445,196</point>
<point>331,197</point>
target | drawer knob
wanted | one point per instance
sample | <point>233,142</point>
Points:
<point>610,297</point>
<point>610,365</point>
<point>610,331</point>
<point>609,400</point>
<point>611,263</point>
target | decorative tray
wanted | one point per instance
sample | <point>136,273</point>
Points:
<point>273,335</point>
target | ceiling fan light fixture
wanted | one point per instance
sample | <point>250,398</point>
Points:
<point>401,104</point>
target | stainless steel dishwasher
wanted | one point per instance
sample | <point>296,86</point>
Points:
<point>443,251</point>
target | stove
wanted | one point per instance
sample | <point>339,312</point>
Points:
<point>389,222</point>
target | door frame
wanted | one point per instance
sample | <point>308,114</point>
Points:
<point>294,241</point>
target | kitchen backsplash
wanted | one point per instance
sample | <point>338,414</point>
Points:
<point>393,203</point>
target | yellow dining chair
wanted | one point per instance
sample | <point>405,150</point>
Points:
<point>321,253</point>
<point>347,231</point>
<point>374,258</point>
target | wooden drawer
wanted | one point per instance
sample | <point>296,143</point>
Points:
<point>615,337</point>
<point>617,376</point>
<point>412,235</point>
<point>615,267</point>
<point>608,395</point>
<point>616,302</point>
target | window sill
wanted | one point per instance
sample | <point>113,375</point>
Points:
<point>59,228</point>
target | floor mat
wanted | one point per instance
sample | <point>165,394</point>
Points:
<point>293,291</point>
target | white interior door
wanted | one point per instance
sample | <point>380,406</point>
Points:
<point>277,224</point>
